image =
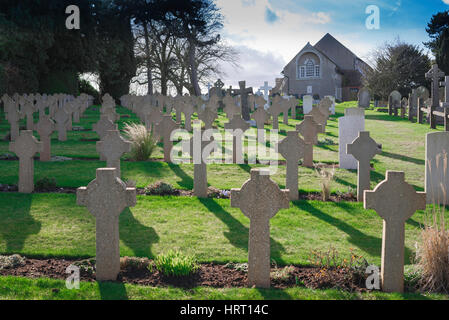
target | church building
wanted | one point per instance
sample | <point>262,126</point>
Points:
<point>326,69</point>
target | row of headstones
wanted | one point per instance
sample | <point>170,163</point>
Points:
<point>63,109</point>
<point>436,103</point>
<point>259,198</point>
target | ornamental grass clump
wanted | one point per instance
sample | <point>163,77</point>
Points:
<point>433,250</point>
<point>326,175</point>
<point>175,264</point>
<point>142,141</point>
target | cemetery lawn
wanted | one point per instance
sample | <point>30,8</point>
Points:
<point>18,288</point>
<point>52,225</point>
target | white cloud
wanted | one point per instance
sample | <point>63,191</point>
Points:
<point>446,1</point>
<point>255,68</point>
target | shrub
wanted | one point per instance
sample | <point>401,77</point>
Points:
<point>45,184</point>
<point>142,141</point>
<point>161,188</point>
<point>326,175</point>
<point>174,263</point>
<point>282,274</point>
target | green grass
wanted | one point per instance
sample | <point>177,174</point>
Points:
<point>18,288</point>
<point>209,229</point>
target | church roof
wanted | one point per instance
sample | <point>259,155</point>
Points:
<point>335,51</point>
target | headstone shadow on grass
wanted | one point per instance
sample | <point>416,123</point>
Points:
<point>136,236</point>
<point>370,244</point>
<point>238,233</point>
<point>112,290</point>
<point>186,180</point>
<point>20,224</point>
<point>403,158</point>
<point>274,294</point>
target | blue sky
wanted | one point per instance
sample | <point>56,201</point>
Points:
<point>269,33</point>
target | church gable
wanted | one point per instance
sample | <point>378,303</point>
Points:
<point>337,52</point>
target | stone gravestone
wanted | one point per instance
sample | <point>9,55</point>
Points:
<point>28,110</point>
<point>404,104</point>
<point>395,201</point>
<point>188,111</point>
<point>275,110</point>
<point>199,149</point>
<point>286,105</point>
<point>292,148</point>
<point>332,98</point>
<point>324,106</point>
<point>261,117</point>
<point>112,147</point>
<point>266,90</point>
<point>25,147</point>
<point>61,118</point>
<point>394,102</point>
<point>364,148</point>
<point>412,104</point>
<point>45,128</point>
<point>364,98</point>
<point>13,118</point>
<point>349,127</point>
<point>243,92</point>
<point>102,127</point>
<point>445,102</point>
<point>437,172</point>
<point>152,118</point>
<point>434,75</point>
<point>238,127</point>
<point>319,117</point>
<point>309,129</point>
<point>208,116</point>
<point>307,103</point>
<point>230,108</point>
<point>105,198</point>
<point>164,130</point>
<point>259,199</point>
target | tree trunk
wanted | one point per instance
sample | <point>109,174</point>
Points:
<point>148,63</point>
<point>193,68</point>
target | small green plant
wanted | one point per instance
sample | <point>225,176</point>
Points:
<point>45,184</point>
<point>161,188</point>
<point>326,175</point>
<point>142,142</point>
<point>175,264</point>
<point>332,259</point>
<point>237,266</point>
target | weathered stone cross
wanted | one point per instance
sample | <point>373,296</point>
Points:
<point>259,199</point>
<point>13,118</point>
<point>25,146</point>
<point>363,148</point>
<point>292,148</point>
<point>395,201</point>
<point>61,118</point>
<point>238,127</point>
<point>230,108</point>
<point>261,117</point>
<point>266,90</point>
<point>113,146</point>
<point>309,129</point>
<point>102,127</point>
<point>275,110</point>
<point>164,130</point>
<point>319,118</point>
<point>105,198</point>
<point>199,149</point>
<point>208,116</point>
<point>45,128</point>
<point>243,91</point>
